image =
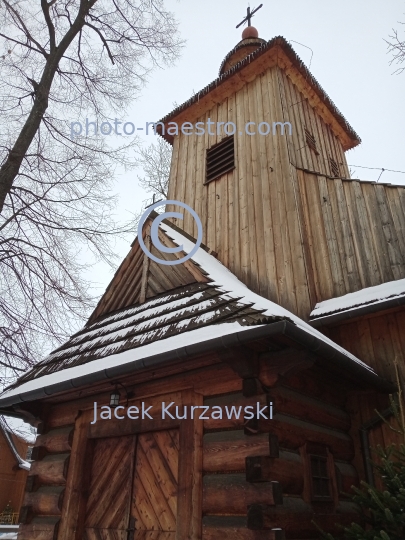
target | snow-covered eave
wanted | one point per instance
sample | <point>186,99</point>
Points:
<point>368,300</point>
<point>222,337</point>
<point>178,348</point>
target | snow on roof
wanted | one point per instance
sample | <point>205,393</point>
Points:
<point>369,295</point>
<point>233,307</point>
<point>194,306</point>
<point>199,335</point>
<point>223,277</point>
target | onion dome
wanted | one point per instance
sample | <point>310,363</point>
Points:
<point>250,42</point>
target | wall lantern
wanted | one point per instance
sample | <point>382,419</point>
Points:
<point>115,398</point>
<point>115,395</point>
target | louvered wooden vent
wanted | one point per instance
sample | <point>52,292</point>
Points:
<point>311,142</point>
<point>334,167</point>
<point>220,159</point>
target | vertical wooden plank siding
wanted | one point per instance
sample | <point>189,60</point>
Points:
<point>378,339</point>
<point>190,474</point>
<point>280,221</point>
<point>267,171</point>
<point>74,502</point>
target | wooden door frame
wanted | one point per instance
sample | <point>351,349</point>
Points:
<point>189,498</point>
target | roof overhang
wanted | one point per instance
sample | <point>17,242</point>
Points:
<point>327,356</point>
<point>359,311</point>
<point>276,52</point>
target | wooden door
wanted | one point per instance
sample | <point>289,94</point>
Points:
<point>133,488</point>
<point>154,500</point>
<point>108,503</point>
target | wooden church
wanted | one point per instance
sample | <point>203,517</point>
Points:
<point>231,396</point>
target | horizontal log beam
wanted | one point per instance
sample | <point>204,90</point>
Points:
<point>293,433</point>
<point>288,470</point>
<point>295,518</point>
<point>226,451</point>
<point>39,529</point>
<point>286,401</point>
<point>55,441</point>
<point>283,363</point>
<point>231,494</point>
<point>252,387</point>
<point>52,470</point>
<point>235,528</point>
<point>323,386</point>
<point>45,501</point>
<point>237,401</point>
<point>242,360</point>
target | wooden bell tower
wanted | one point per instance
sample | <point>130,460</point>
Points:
<point>253,211</point>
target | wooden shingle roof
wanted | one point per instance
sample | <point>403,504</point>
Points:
<point>255,63</point>
<point>179,311</point>
<point>174,323</point>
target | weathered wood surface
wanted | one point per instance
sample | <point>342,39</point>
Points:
<point>238,232</point>
<point>378,338</point>
<point>139,278</point>
<point>288,470</point>
<point>232,405</point>
<point>147,385</point>
<point>56,440</point>
<point>231,494</point>
<point>295,518</point>
<point>51,470</point>
<point>155,485</point>
<point>190,473</point>
<point>293,433</point>
<point>45,501</point>
<point>226,451</point>
<point>364,231</point>
<point>302,234</point>
<point>41,528</point>
<point>308,409</point>
<point>320,385</point>
<point>78,478</point>
<point>108,503</point>
<point>235,528</point>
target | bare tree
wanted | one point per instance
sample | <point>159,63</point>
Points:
<point>396,47</point>
<point>155,161</point>
<point>64,61</point>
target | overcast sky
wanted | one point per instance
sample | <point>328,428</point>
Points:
<point>350,61</point>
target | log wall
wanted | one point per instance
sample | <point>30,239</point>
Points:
<point>256,478</point>
<point>45,487</point>
<point>256,474</point>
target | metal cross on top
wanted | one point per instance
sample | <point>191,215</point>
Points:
<point>249,15</point>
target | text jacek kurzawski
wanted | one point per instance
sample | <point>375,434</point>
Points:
<point>183,412</point>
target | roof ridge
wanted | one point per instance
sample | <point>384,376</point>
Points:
<point>284,44</point>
